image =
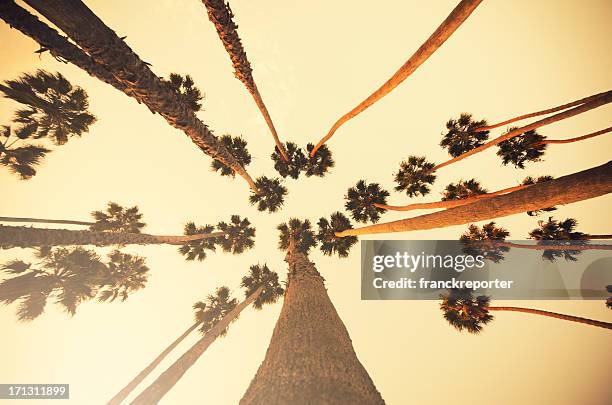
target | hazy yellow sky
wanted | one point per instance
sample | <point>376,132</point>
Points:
<point>312,62</point>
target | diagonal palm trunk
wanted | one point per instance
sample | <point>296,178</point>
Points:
<point>24,237</point>
<point>45,221</point>
<point>570,318</point>
<point>598,102</point>
<point>127,390</point>
<point>220,14</point>
<point>168,379</point>
<point>575,187</point>
<point>107,49</point>
<point>576,139</point>
<point>454,20</point>
<point>310,359</point>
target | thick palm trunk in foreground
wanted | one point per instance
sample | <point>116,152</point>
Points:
<point>220,14</point>
<point>457,17</point>
<point>164,383</point>
<point>45,221</point>
<point>571,318</point>
<point>310,359</point>
<point>24,237</point>
<point>104,46</point>
<point>575,187</point>
<point>127,390</point>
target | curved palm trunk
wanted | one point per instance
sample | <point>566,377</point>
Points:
<point>310,359</point>
<point>164,383</point>
<point>45,221</point>
<point>220,14</point>
<point>24,237</point>
<point>576,139</point>
<point>454,20</point>
<point>538,113</point>
<point>575,187</point>
<point>571,318</point>
<point>598,102</point>
<point>451,203</point>
<point>107,49</point>
<point>127,390</point>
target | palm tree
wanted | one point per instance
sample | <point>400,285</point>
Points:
<point>567,189</point>
<point>462,190</point>
<point>270,194</point>
<point>115,56</point>
<point>534,180</point>
<point>459,14</point>
<point>21,160</point>
<point>527,147</point>
<point>123,275</point>
<point>118,219</point>
<point>466,312</point>
<point>361,201</point>
<point>291,165</point>
<point>461,137</point>
<point>319,161</point>
<point>575,139</point>
<point>414,176</point>
<point>477,241</point>
<point>185,87</point>
<point>238,148</point>
<point>235,237</point>
<point>326,235</point>
<point>196,249</point>
<point>261,287</point>
<point>309,341</point>
<point>55,109</point>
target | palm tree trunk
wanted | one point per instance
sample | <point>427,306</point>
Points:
<point>310,359</point>
<point>571,318</point>
<point>576,139</point>
<point>220,14</point>
<point>538,113</point>
<point>454,20</point>
<point>599,237</point>
<point>575,187</point>
<point>598,102</point>
<point>552,247</point>
<point>168,379</point>
<point>76,20</point>
<point>25,237</point>
<point>451,203</point>
<point>127,390</point>
<point>45,221</point>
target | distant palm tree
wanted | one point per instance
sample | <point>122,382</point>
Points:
<point>326,235</point>
<point>261,287</point>
<point>462,190</point>
<point>293,164</point>
<point>118,219</point>
<point>185,87</point>
<point>527,147</point>
<point>454,20</point>
<point>270,194</point>
<point>235,237</point>
<point>319,161</point>
<point>196,249</point>
<point>55,109</point>
<point>20,159</point>
<point>220,14</point>
<point>414,176</point>
<point>238,148</point>
<point>298,232</point>
<point>361,201</point>
<point>461,137</point>
<point>123,275</point>
<point>465,312</point>
<point>477,241</point>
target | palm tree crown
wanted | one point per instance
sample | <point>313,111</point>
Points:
<point>330,243</point>
<point>523,148</point>
<point>20,160</point>
<point>299,232</point>
<point>414,176</point>
<point>185,87</point>
<point>297,161</point>
<point>270,196</point>
<point>476,241</point>
<point>320,163</point>
<point>262,276</point>
<point>238,235</point>
<point>55,108</point>
<point>559,232</point>
<point>237,146</point>
<point>196,249</point>
<point>534,180</point>
<point>463,189</point>
<point>118,219</point>
<point>461,137</point>
<point>213,309</point>
<point>360,201</point>
<point>124,274</point>
<point>463,311</point>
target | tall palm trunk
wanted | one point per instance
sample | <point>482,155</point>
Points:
<point>45,221</point>
<point>599,236</point>
<point>164,383</point>
<point>310,359</point>
<point>571,318</point>
<point>220,14</point>
<point>551,247</point>
<point>24,237</point>
<point>127,390</point>
<point>576,139</point>
<point>598,102</point>
<point>457,17</point>
<point>104,46</point>
<point>575,187</point>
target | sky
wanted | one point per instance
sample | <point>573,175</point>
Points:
<point>312,62</point>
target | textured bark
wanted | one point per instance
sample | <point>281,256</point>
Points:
<point>538,113</point>
<point>598,102</point>
<point>104,46</point>
<point>454,20</point>
<point>220,14</point>
<point>45,221</point>
<point>571,318</point>
<point>168,379</point>
<point>575,187</point>
<point>127,390</point>
<point>576,139</point>
<point>310,359</point>
<point>25,237</point>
